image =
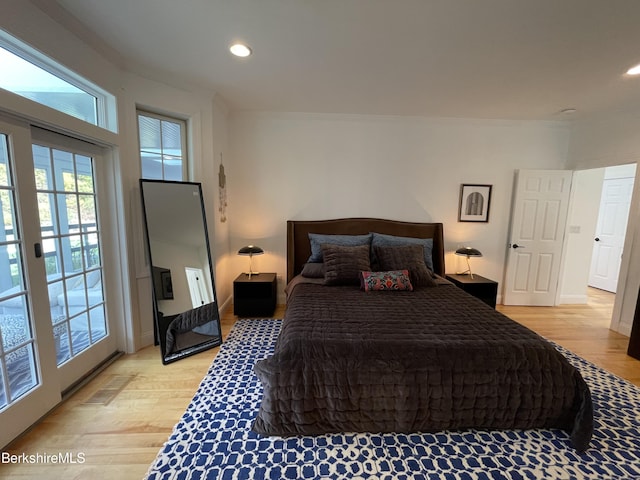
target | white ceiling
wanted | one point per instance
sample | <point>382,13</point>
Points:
<point>511,59</point>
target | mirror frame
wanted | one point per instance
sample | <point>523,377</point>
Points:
<point>163,289</point>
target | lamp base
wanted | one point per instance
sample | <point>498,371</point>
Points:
<point>249,273</point>
<point>466,272</point>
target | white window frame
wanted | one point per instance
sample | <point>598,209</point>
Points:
<point>183,138</point>
<point>106,111</point>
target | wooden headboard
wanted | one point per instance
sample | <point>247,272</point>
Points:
<point>299,247</point>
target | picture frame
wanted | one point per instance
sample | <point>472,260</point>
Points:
<point>475,201</point>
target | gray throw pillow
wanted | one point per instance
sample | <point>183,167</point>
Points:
<point>313,270</point>
<point>382,240</point>
<point>406,257</point>
<point>343,264</point>
<point>316,240</point>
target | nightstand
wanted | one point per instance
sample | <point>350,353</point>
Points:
<point>480,287</point>
<point>255,296</point>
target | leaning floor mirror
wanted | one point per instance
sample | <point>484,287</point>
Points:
<point>187,319</point>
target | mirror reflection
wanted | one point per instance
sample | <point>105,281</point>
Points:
<point>185,307</point>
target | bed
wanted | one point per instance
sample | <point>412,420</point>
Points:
<point>421,359</point>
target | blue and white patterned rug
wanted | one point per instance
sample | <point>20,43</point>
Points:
<point>213,440</point>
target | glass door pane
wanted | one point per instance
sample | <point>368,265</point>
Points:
<point>18,370</point>
<point>29,387</point>
<point>65,186</point>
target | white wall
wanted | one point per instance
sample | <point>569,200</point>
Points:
<point>316,166</point>
<point>218,229</point>
<point>607,142</point>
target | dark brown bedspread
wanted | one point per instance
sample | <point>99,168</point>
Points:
<point>428,360</point>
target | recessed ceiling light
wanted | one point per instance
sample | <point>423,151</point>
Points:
<point>634,70</point>
<point>240,50</point>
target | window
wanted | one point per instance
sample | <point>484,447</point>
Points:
<point>162,147</point>
<point>29,74</point>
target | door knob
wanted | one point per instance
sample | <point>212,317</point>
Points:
<point>515,245</point>
<point>597,239</point>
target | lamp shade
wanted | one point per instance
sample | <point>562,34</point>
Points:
<point>468,252</point>
<point>250,250</point>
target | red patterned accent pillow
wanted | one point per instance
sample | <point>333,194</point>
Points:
<point>392,280</point>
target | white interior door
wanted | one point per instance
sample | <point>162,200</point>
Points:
<point>197,288</point>
<point>610,233</point>
<point>538,218</point>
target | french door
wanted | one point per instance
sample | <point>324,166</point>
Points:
<point>53,318</point>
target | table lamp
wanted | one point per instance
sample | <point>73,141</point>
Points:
<point>251,250</point>
<point>468,252</point>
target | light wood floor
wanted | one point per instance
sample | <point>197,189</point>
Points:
<point>121,438</point>
<point>583,329</point>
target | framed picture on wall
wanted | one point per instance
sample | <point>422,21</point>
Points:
<point>474,203</point>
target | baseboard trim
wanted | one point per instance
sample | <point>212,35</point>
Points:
<point>225,305</point>
<point>573,299</point>
<point>147,338</point>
